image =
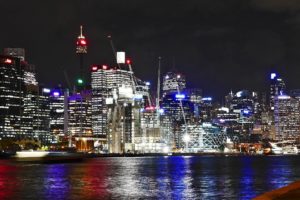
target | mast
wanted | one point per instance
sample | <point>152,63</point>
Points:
<point>158,93</point>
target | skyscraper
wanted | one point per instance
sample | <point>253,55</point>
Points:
<point>277,87</point>
<point>11,96</point>
<point>287,117</point>
<point>173,82</point>
<point>57,109</point>
<point>117,98</point>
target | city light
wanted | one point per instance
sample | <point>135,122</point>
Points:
<point>166,149</point>
<point>46,90</point>
<point>79,81</point>
<point>273,76</point>
<point>8,61</point>
<point>148,83</point>
<point>82,42</point>
<point>161,111</point>
<point>56,94</point>
<point>246,111</point>
<point>206,99</point>
<point>104,67</point>
<point>186,138</point>
<point>180,96</point>
<point>239,94</point>
<point>150,108</point>
<point>94,68</point>
<point>138,96</point>
<point>283,97</point>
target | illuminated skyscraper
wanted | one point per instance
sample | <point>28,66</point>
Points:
<point>173,82</point>
<point>116,101</point>
<point>277,87</point>
<point>57,109</point>
<point>36,113</point>
<point>287,117</point>
<point>80,121</point>
<point>11,96</point>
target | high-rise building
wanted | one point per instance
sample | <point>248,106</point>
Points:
<point>287,117</point>
<point>173,82</point>
<point>277,87</point>
<point>24,108</point>
<point>57,112</point>
<point>11,96</point>
<point>116,102</point>
<point>80,114</point>
<point>36,113</point>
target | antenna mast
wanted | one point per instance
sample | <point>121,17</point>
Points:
<point>158,92</point>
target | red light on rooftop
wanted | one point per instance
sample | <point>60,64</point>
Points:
<point>104,67</point>
<point>82,42</point>
<point>150,108</point>
<point>8,61</point>
<point>128,61</point>
<point>94,68</point>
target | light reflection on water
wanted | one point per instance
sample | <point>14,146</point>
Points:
<point>176,177</point>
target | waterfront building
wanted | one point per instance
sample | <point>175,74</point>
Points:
<point>277,87</point>
<point>202,138</point>
<point>57,112</point>
<point>287,117</point>
<point>116,102</point>
<point>36,111</point>
<point>11,96</point>
<point>80,120</point>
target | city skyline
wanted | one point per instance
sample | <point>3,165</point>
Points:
<point>218,46</point>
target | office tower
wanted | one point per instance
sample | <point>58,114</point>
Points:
<point>195,97</point>
<point>36,111</point>
<point>287,117</point>
<point>57,111</point>
<point>173,82</point>
<point>117,99</point>
<point>25,107</point>
<point>277,87</point>
<point>80,114</point>
<point>203,138</point>
<point>11,96</point>
<point>206,109</point>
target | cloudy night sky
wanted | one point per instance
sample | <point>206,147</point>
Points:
<point>218,44</point>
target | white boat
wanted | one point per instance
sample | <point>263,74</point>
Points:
<point>275,149</point>
<point>47,156</point>
<point>290,150</point>
<point>31,154</point>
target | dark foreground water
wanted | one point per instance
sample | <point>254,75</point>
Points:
<point>175,177</point>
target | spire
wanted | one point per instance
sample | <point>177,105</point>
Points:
<point>81,36</point>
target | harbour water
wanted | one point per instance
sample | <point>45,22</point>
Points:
<point>173,177</point>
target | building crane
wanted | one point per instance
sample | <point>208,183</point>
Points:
<point>186,136</point>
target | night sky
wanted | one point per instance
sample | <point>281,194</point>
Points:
<point>218,44</point>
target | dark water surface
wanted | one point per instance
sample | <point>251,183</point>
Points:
<point>175,177</point>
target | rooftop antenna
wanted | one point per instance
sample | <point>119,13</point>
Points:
<point>158,91</point>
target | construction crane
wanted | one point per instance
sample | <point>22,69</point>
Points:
<point>186,136</point>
